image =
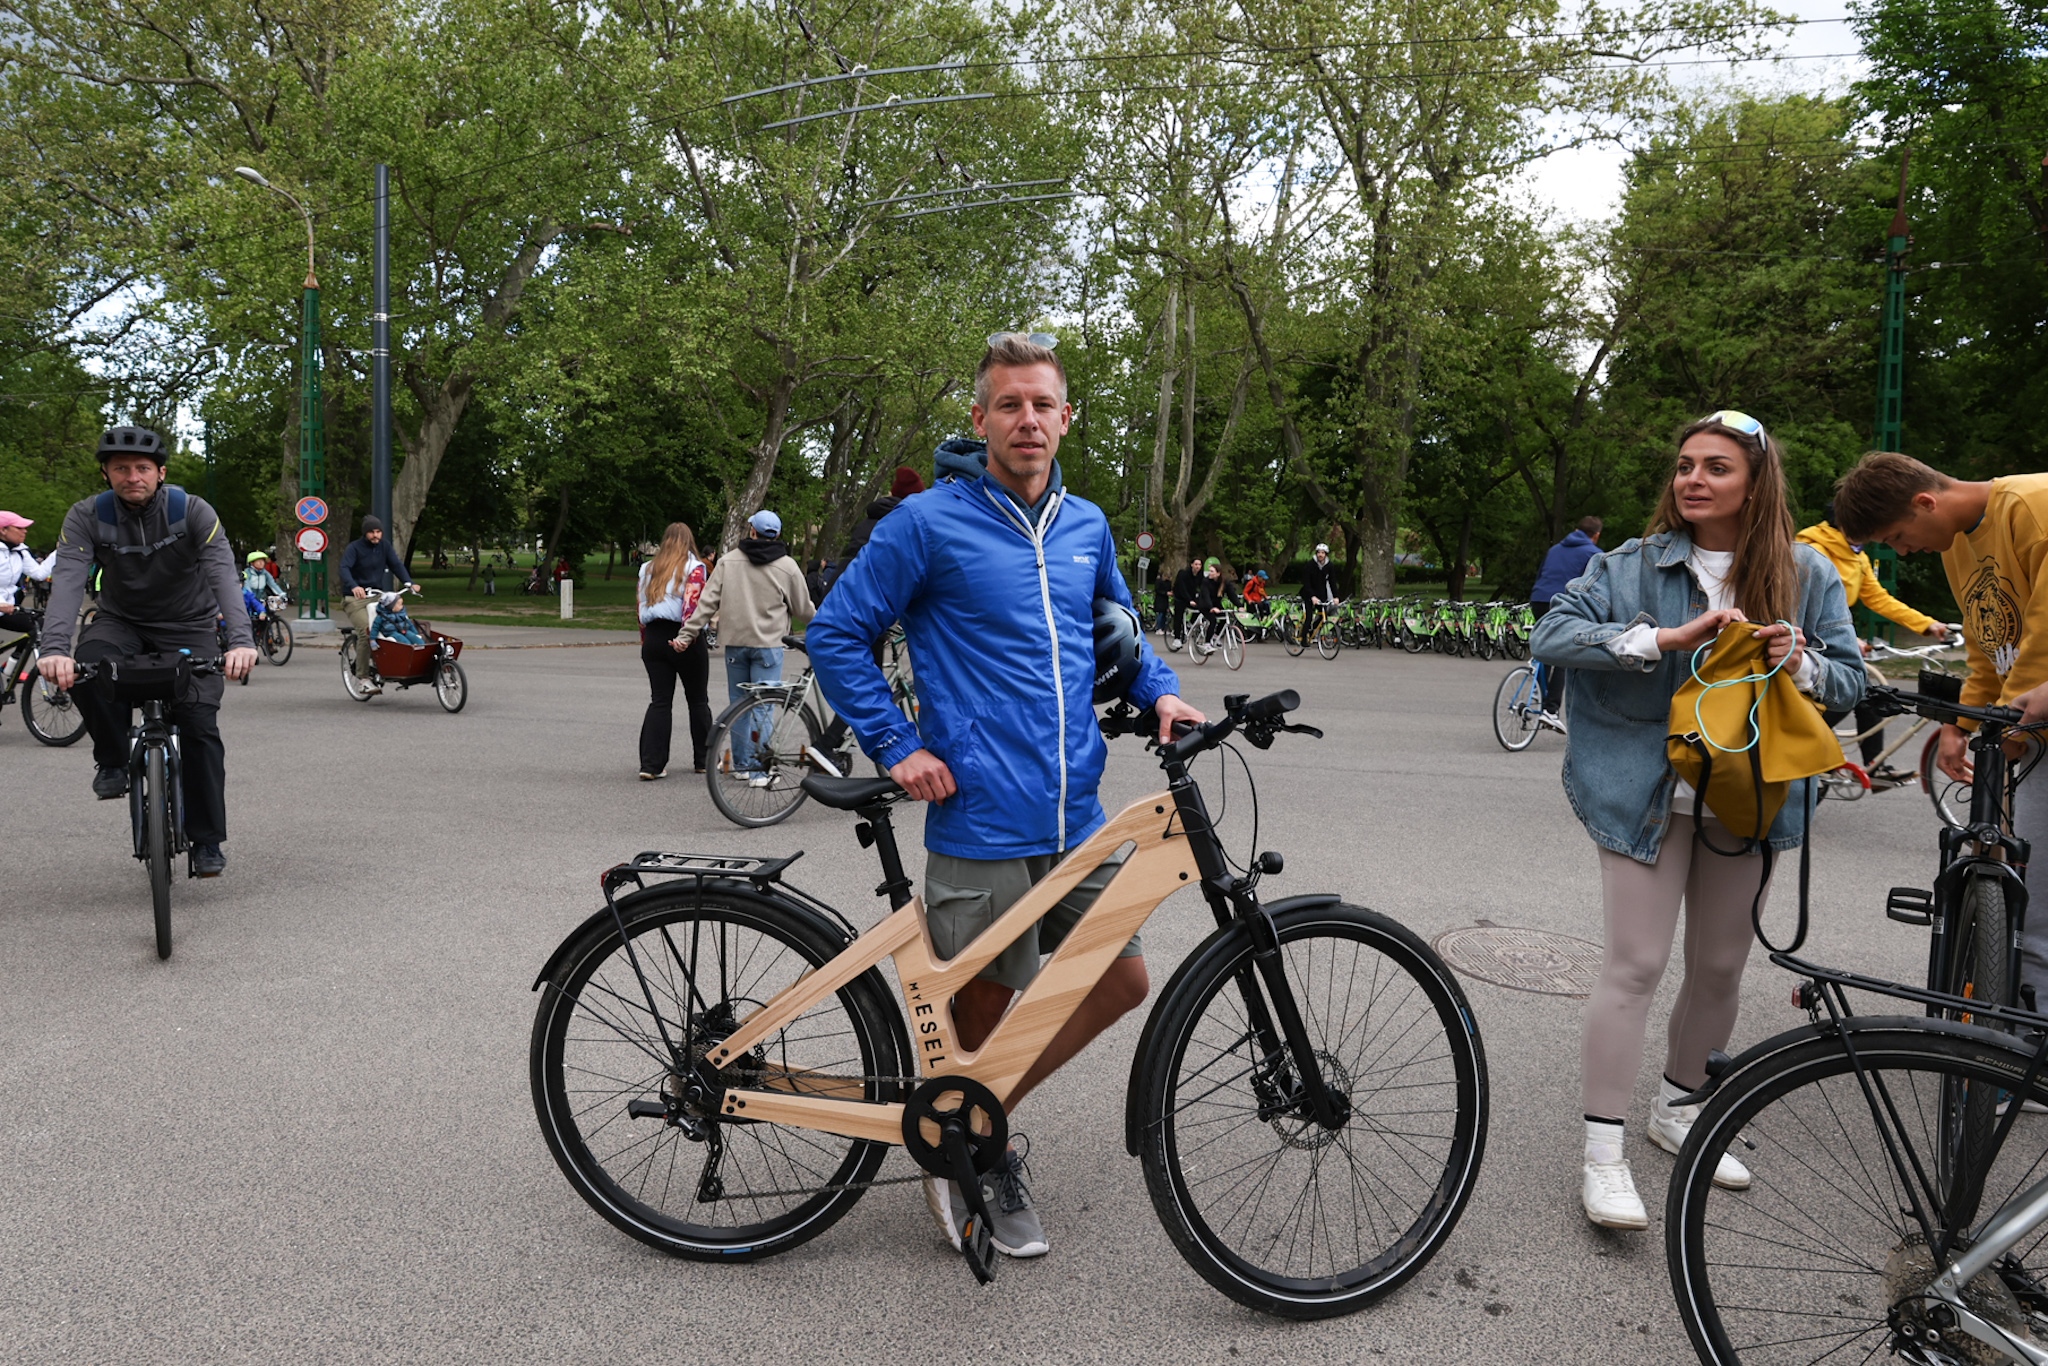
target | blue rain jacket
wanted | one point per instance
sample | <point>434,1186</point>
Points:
<point>1000,618</point>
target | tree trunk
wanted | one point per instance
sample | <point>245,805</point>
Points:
<point>547,559</point>
<point>766,452</point>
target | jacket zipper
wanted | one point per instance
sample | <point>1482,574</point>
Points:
<point>1037,537</point>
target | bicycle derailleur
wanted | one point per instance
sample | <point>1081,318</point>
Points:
<point>690,1104</point>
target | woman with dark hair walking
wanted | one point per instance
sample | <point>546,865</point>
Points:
<point>1718,550</point>
<point>669,586</point>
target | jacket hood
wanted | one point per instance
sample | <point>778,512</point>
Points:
<point>1828,536</point>
<point>883,506</point>
<point>764,552</point>
<point>960,458</point>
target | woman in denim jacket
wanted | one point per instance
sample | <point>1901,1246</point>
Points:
<point>1720,548</point>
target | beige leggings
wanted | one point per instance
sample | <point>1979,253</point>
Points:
<point>1640,904</point>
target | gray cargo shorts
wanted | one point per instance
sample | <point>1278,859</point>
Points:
<point>964,896</point>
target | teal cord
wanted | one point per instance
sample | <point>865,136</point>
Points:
<point>1755,731</point>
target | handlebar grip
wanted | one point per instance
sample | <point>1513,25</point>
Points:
<point>1273,704</point>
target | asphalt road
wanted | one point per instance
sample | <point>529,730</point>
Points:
<point>308,1135</point>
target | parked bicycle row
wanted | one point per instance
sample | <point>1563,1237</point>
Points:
<point>1414,623</point>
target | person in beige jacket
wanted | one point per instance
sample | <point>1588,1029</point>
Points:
<point>757,593</point>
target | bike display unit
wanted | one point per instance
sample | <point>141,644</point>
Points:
<point>719,1065</point>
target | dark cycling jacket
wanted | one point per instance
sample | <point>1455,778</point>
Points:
<point>364,566</point>
<point>1000,618</point>
<point>1319,581</point>
<point>1565,562</point>
<point>157,568</point>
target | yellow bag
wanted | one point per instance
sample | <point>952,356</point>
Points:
<point>1741,735</point>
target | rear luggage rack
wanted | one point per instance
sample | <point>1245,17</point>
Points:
<point>715,867</point>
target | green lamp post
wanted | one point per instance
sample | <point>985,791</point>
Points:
<point>1887,432</point>
<point>312,577</point>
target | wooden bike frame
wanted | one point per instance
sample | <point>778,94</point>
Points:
<point>1160,863</point>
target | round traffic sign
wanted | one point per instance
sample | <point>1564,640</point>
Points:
<point>312,540</point>
<point>312,511</point>
<point>1145,541</point>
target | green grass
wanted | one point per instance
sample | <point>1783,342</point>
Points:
<point>600,605</point>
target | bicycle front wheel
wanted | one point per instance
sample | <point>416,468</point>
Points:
<point>1951,799</point>
<point>1806,1265</point>
<point>1267,1205</point>
<point>48,712</point>
<point>659,1165</point>
<point>1233,645</point>
<point>1516,709</point>
<point>1982,939</point>
<point>156,844</point>
<point>758,756</point>
<point>276,640</point>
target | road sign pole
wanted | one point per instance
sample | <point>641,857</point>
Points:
<point>1887,432</point>
<point>380,359</point>
<point>312,580</point>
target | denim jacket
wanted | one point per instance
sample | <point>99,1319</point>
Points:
<point>1615,771</point>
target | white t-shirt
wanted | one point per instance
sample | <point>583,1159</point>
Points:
<point>1712,570</point>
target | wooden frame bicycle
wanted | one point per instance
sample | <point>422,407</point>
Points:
<point>720,1067</point>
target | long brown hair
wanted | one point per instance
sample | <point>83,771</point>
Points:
<point>1765,576</point>
<point>678,544</point>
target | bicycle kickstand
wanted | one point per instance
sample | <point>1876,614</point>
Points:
<point>976,1239</point>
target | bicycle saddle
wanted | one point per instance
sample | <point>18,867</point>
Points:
<point>850,794</point>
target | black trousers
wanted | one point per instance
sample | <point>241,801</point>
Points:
<point>203,757</point>
<point>17,621</point>
<point>1866,717</point>
<point>664,666</point>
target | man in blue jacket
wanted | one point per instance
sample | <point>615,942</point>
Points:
<point>995,580</point>
<point>1566,561</point>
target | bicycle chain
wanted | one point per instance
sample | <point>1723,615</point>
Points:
<point>843,1185</point>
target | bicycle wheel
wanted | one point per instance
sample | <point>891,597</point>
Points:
<point>276,640</point>
<point>451,685</point>
<point>1233,645</point>
<point>1982,939</point>
<point>1806,1264</point>
<point>615,1117</point>
<point>48,712</point>
<point>775,740</point>
<point>156,844</point>
<point>1516,709</point>
<point>357,688</point>
<point>1294,636</point>
<point>1951,799</point>
<point>1327,643</point>
<point>1272,1209</point>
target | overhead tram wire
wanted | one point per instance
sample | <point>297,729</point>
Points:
<point>983,204</point>
<point>891,103</point>
<point>858,73</point>
<point>962,189</point>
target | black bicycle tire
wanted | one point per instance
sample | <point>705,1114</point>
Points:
<point>273,629</point>
<point>720,742</point>
<point>1982,938</point>
<point>1937,785</point>
<point>348,674</point>
<point>30,710</point>
<point>442,669</point>
<point>156,843</point>
<point>1215,968</point>
<point>1694,1204</point>
<point>1328,645</point>
<point>1528,734</point>
<point>868,1008</point>
<point>1294,638</point>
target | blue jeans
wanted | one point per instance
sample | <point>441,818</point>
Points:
<point>750,664</point>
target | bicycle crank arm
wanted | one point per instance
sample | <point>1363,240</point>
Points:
<point>977,1239</point>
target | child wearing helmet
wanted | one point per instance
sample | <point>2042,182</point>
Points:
<point>257,578</point>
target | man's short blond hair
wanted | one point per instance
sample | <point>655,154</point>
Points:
<point>1878,493</point>
<point>1015,350</point>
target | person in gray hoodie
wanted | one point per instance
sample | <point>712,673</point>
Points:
<point>757,593</point>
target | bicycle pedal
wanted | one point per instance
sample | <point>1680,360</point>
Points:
<point>1910,906</point>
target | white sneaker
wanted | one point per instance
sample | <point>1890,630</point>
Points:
<point>760,780</point>
<point>1552,720</point>
<point>1669,1124</point>
<point>1610,1196</point>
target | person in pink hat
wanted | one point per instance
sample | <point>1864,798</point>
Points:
<point>18,565</point>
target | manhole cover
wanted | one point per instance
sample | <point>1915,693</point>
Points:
<point>1526,960</point>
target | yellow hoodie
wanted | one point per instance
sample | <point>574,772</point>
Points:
<point>1859,578</point>
<point>1996,569</point>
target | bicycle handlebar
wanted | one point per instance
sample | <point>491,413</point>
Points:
<point>200,667</point>
<point>1260,721</point>
<point>1896,702</point>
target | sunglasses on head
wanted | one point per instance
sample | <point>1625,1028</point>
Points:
<point>1044,339</point>
<point>1739,422</point>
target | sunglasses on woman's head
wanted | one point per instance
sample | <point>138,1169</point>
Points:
<point>1739,422</point>
<point>1044,339</point>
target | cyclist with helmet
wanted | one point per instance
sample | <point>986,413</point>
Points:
<point>257,578</point>
<point>1318,590</point>
<point>166,576</point>
<point>1000,583</point>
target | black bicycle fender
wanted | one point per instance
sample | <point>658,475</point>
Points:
<point>1132,1123</point>
<point>831,933</point>
<point>1855,1024</point>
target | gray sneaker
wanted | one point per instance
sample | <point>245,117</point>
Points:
<point>1016,1230</point>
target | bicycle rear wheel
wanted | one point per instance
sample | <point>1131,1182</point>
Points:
<point>156,844</point>
<point>1516,709</point>
<point>48,712</point>
<point>757,757</point>
<point>1806,1264</point>
<point>666,1169</point>
<point>1951,799</point>
<point>1268,1206</point>
<point>1294,636</point>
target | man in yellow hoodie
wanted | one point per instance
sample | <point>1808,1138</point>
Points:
<point>1859,581</point>
<point>1992,536</point>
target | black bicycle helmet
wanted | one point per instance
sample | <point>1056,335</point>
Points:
<point>1116,650</point>
<point>131,441</point>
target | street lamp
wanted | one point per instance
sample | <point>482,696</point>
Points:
<point>312,585</point>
